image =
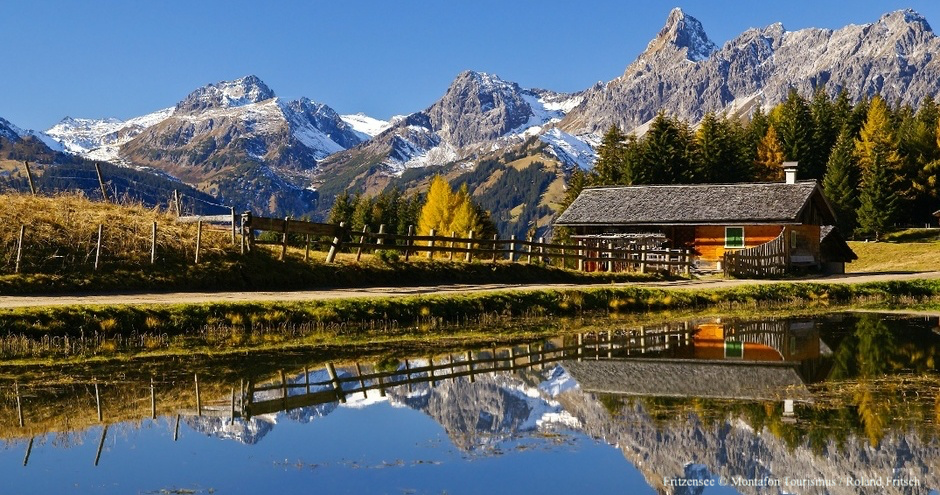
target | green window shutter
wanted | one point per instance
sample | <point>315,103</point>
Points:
<point>734,349</point>
<point>734,237</point>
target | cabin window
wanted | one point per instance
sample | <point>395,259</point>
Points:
<point>734,237</point>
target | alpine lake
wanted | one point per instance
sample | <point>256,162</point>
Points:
<point>841,403</point>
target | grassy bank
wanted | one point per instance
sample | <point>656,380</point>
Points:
<point>63,332</point>
<point>907,250</point>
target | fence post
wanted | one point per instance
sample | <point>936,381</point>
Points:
<point>98,245</point>
<point>381,240</point>
<point>453,235</point>
<point>642,259</point>
<point>19,248</point>
<point>528,258</point>
<point>29,177</point>
<point>178,203</point>
<point>469,256</point>
<point>495,245</point>
<point>580,256</point>
<point>246,226</point>
<point>153,244</point>
<point>512,248</point>
<point>337,242</point>
<point>104,190</point>
<point>687,268</point>
<point>198,239</point>
<point>409,242</point>
<point>362,239</point>
<point>541,250</point>
<point>284,239</point>
<point>431,244</point>
<point>232,208</point>
<point>610,256</point>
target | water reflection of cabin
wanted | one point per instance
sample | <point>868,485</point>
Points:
<point>711,219</point>
<point>750,360</point>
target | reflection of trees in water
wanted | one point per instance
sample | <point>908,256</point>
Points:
<point>876,348</point>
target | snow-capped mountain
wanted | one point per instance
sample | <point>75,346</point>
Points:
<point>683,73</point>
<point>238,140</point>
<point>101,139</point>
<point>11,132</point>
<point>478,112</point>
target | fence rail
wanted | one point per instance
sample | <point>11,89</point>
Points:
<point>585,256</point>
<point>764,260</point>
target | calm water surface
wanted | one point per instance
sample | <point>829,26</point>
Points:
<point>771,406</point>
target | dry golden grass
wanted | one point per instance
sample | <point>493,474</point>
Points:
<point>61,234</point>
<point>892,256</point>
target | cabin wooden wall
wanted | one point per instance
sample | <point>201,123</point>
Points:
<point>710,239</point>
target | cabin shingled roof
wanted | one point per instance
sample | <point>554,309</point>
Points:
<point>690,378</point>
<point>690,204</point>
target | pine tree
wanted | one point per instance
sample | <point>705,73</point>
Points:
<point>721,151</point>
<point>841,182</point>
<point>610,167</point>
<point>362,213</point>
<point>437,212</point>
<point>825,133</point>
<point>877,154</point>
<point>877,201</point>
<point>795,132</point>
<point>342,209</point>
<point>666,156</point>
<point>769,164</point>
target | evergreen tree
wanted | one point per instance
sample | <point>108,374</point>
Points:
<point>877,201</point>
<point>795,131</point>
<point>610,167</point>
<point>666,156</point>
<point>841,112</point>
<point>362,213</point>
<point>841,182</point>
<point>858,115</point>
<point>769,164</point>
<point>342,209</point>
<point>919,144</point>
<point>721,151</point>
<point>877,154</point>
<point>825,132</point>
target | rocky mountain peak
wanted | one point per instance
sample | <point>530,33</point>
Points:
<point>225,94</point>
<point>683,31</point>
<point>478,107</point>
<point>903,20</point>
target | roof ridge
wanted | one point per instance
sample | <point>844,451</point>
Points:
<point>703,184</point>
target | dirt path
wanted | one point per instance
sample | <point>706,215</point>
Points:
<point>246,296</point>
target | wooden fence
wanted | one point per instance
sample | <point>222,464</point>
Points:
<point>452,247</point>
<point>242,230</point>
<point>765,260</point>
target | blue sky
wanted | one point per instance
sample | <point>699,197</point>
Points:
<point>126,58</point>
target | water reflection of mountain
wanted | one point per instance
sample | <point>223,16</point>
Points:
<point>247,431</point>
<point>731,447</point>
<point>490,410</point>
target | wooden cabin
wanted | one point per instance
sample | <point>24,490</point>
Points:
<point>710,219</point>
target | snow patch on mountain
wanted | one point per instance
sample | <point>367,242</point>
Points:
<point>366,127</point>
<point>569,149</point>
